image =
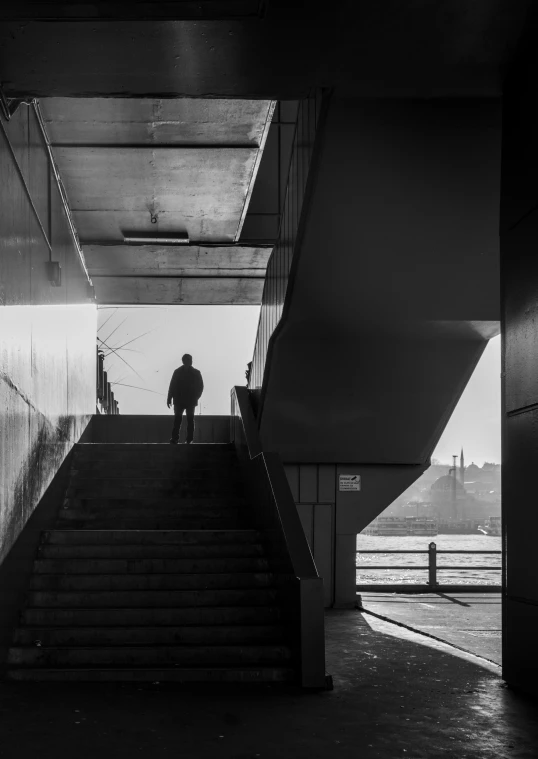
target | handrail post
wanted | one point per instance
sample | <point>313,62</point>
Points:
<point>432,565</point>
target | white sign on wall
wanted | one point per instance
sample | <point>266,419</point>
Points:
<point>348,482</point>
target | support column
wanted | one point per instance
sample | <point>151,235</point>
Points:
<point>519,262</point>
<point>345,593</point>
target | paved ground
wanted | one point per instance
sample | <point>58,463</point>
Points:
<point>397,694</point>
<point>469,620</point>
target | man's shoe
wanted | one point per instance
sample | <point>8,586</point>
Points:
<point>188,442</point>
<point>173,442</point>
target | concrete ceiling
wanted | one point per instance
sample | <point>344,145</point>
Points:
<point>153,167</point>
<point>193,274</point>
<point>385,48</point>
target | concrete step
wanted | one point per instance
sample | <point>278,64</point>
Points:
<point>149,537</point>
<point>169,479</point>
<point>89,509</point>
<point>147,566</point>
<point>147,499</point>
<point>135,453</point>
<point>148,656</point>
<point>111,487</point>
<point>173,674</point>
<point>156,446</point>
<point>156,501</point>
<point>158,582</point>
<point>152,617</point>
<point>213,467</point>
<point>178,472</point>
<point>152,551</point>
<point>157,522</point>
<point>149,636</point>
<point>144,598</point>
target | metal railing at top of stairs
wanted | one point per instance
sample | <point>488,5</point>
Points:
<point>300,587</point>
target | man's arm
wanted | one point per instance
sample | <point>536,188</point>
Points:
<point>200,388</point>
<point>171,390</point>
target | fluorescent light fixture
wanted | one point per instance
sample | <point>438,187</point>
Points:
<point>181,238</point>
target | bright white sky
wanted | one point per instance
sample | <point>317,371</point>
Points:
<point>219,338</point>
<point>476,421</point>
<point>221,341</point>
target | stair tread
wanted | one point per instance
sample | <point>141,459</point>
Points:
<point>156,675</point>
<point>134,566</point>
<point>148,551</point>
<point>148,574</point>
<point>150,654</point>
<point>211,615</point>
<point>167,533</point>
<point>151,582</point>
<point>156,536</point>
<point>140,598</point>
<point>179,647</point>
<point>156,655</point>
<point>148,629</point>
<point>215,521</point>
<point>98,470</point>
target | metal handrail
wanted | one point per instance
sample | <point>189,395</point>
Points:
<point>391,550</point>
<point>432,565</point>
<point>61,189</point>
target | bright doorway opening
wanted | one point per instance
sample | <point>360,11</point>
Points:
<point>144,344</point>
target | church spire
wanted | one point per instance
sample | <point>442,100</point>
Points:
<point>462,468</point>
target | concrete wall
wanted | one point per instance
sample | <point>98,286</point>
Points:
<point>395,285</point>
<point>519,243</point>
<point>47,334</point>
<point>332,518</point>
<point>393,294</point>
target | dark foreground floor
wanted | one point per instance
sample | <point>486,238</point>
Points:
<point>397,694</point>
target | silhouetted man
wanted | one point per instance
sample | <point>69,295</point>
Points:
<point>186,387</point>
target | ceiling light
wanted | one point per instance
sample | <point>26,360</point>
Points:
<point>181,238</point>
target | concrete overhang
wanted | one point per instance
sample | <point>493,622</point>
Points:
<point>447,48</point>
<point>183,274</point>
<point>163,168</point>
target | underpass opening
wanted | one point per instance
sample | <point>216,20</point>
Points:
<point>141,347</point>
<point>432,560</point>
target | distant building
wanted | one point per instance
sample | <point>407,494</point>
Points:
<point>448,498</point>
<point>462,493</point>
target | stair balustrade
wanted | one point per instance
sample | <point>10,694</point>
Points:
<point>275,514</point>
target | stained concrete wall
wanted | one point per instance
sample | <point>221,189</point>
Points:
<point>47,334</point>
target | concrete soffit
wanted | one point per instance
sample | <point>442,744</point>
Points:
<point>157,170</point>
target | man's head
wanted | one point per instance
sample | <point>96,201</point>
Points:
<point>187,359</point>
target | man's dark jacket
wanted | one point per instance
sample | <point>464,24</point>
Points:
<point>186,387</point>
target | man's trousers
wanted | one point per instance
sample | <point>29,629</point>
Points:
<point>178,416</point>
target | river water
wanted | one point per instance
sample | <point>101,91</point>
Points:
<point>367,574</point>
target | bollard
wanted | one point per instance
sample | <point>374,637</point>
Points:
<point>432,565</point>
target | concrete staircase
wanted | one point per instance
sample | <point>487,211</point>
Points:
<point>152,572</point>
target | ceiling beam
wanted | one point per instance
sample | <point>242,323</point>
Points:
<point>177,260</point>
<point>255,168</point>
<point>154,146</point>
<point>209,291</point>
